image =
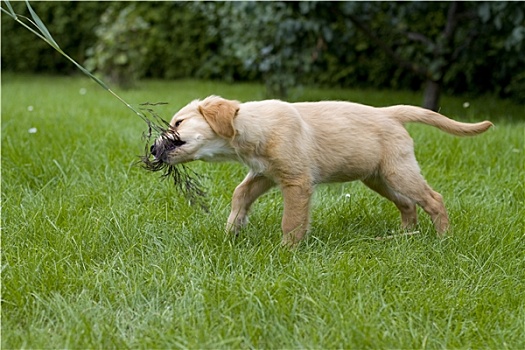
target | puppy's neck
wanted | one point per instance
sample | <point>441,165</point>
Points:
<point>218,150</point>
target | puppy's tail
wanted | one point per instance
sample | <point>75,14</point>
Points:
<point>406,114</point>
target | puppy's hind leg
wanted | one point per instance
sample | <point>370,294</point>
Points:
<point>405,178</point>
<point>405,205</point>
<point>251,188</point>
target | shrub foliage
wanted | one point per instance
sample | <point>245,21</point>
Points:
<point>284,44</point>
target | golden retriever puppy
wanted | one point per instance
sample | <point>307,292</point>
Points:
<point>298,145</point>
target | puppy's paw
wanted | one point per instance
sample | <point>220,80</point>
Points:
<point>291,241</point>
<point>289,244</point>
<point>236,226</point>
<point>442,228</point>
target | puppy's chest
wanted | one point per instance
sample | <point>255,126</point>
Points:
<point>258,165</point>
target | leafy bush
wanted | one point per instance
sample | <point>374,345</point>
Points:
<point>273,41</point>
<point>71,24</point>
<point>119,52</point>
<point>179,41</point>
<point>284,44</point>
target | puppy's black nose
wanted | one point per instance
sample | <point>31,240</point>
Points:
<point>153,150</point>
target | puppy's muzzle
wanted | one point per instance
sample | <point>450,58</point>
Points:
<point>160,150</point>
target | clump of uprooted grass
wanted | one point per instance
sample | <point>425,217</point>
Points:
<point>185,179</point>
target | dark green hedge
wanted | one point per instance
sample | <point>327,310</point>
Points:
<point>184,39</point>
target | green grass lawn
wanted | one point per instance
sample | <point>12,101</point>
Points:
<point>98,253</point>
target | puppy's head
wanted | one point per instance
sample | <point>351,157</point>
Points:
<point>200,130</point>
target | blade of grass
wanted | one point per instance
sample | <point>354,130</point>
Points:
<point>11,12</point>
<point>41,26</point>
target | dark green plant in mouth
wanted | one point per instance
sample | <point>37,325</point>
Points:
<point>160,139</point>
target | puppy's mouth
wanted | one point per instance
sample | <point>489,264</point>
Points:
<point>165,144</point>
<point>156,158</point>
<point>160,150</point>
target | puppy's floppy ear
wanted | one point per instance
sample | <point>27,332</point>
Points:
<point>219,113</point>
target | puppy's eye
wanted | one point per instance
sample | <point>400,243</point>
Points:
<point>177,123</point>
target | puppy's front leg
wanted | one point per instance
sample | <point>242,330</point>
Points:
<point>296,213</point>
<point>251,188</point>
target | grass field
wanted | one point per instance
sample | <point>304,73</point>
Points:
<point>98,253</point>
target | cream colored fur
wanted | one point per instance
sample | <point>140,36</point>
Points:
<point>298,145</point>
